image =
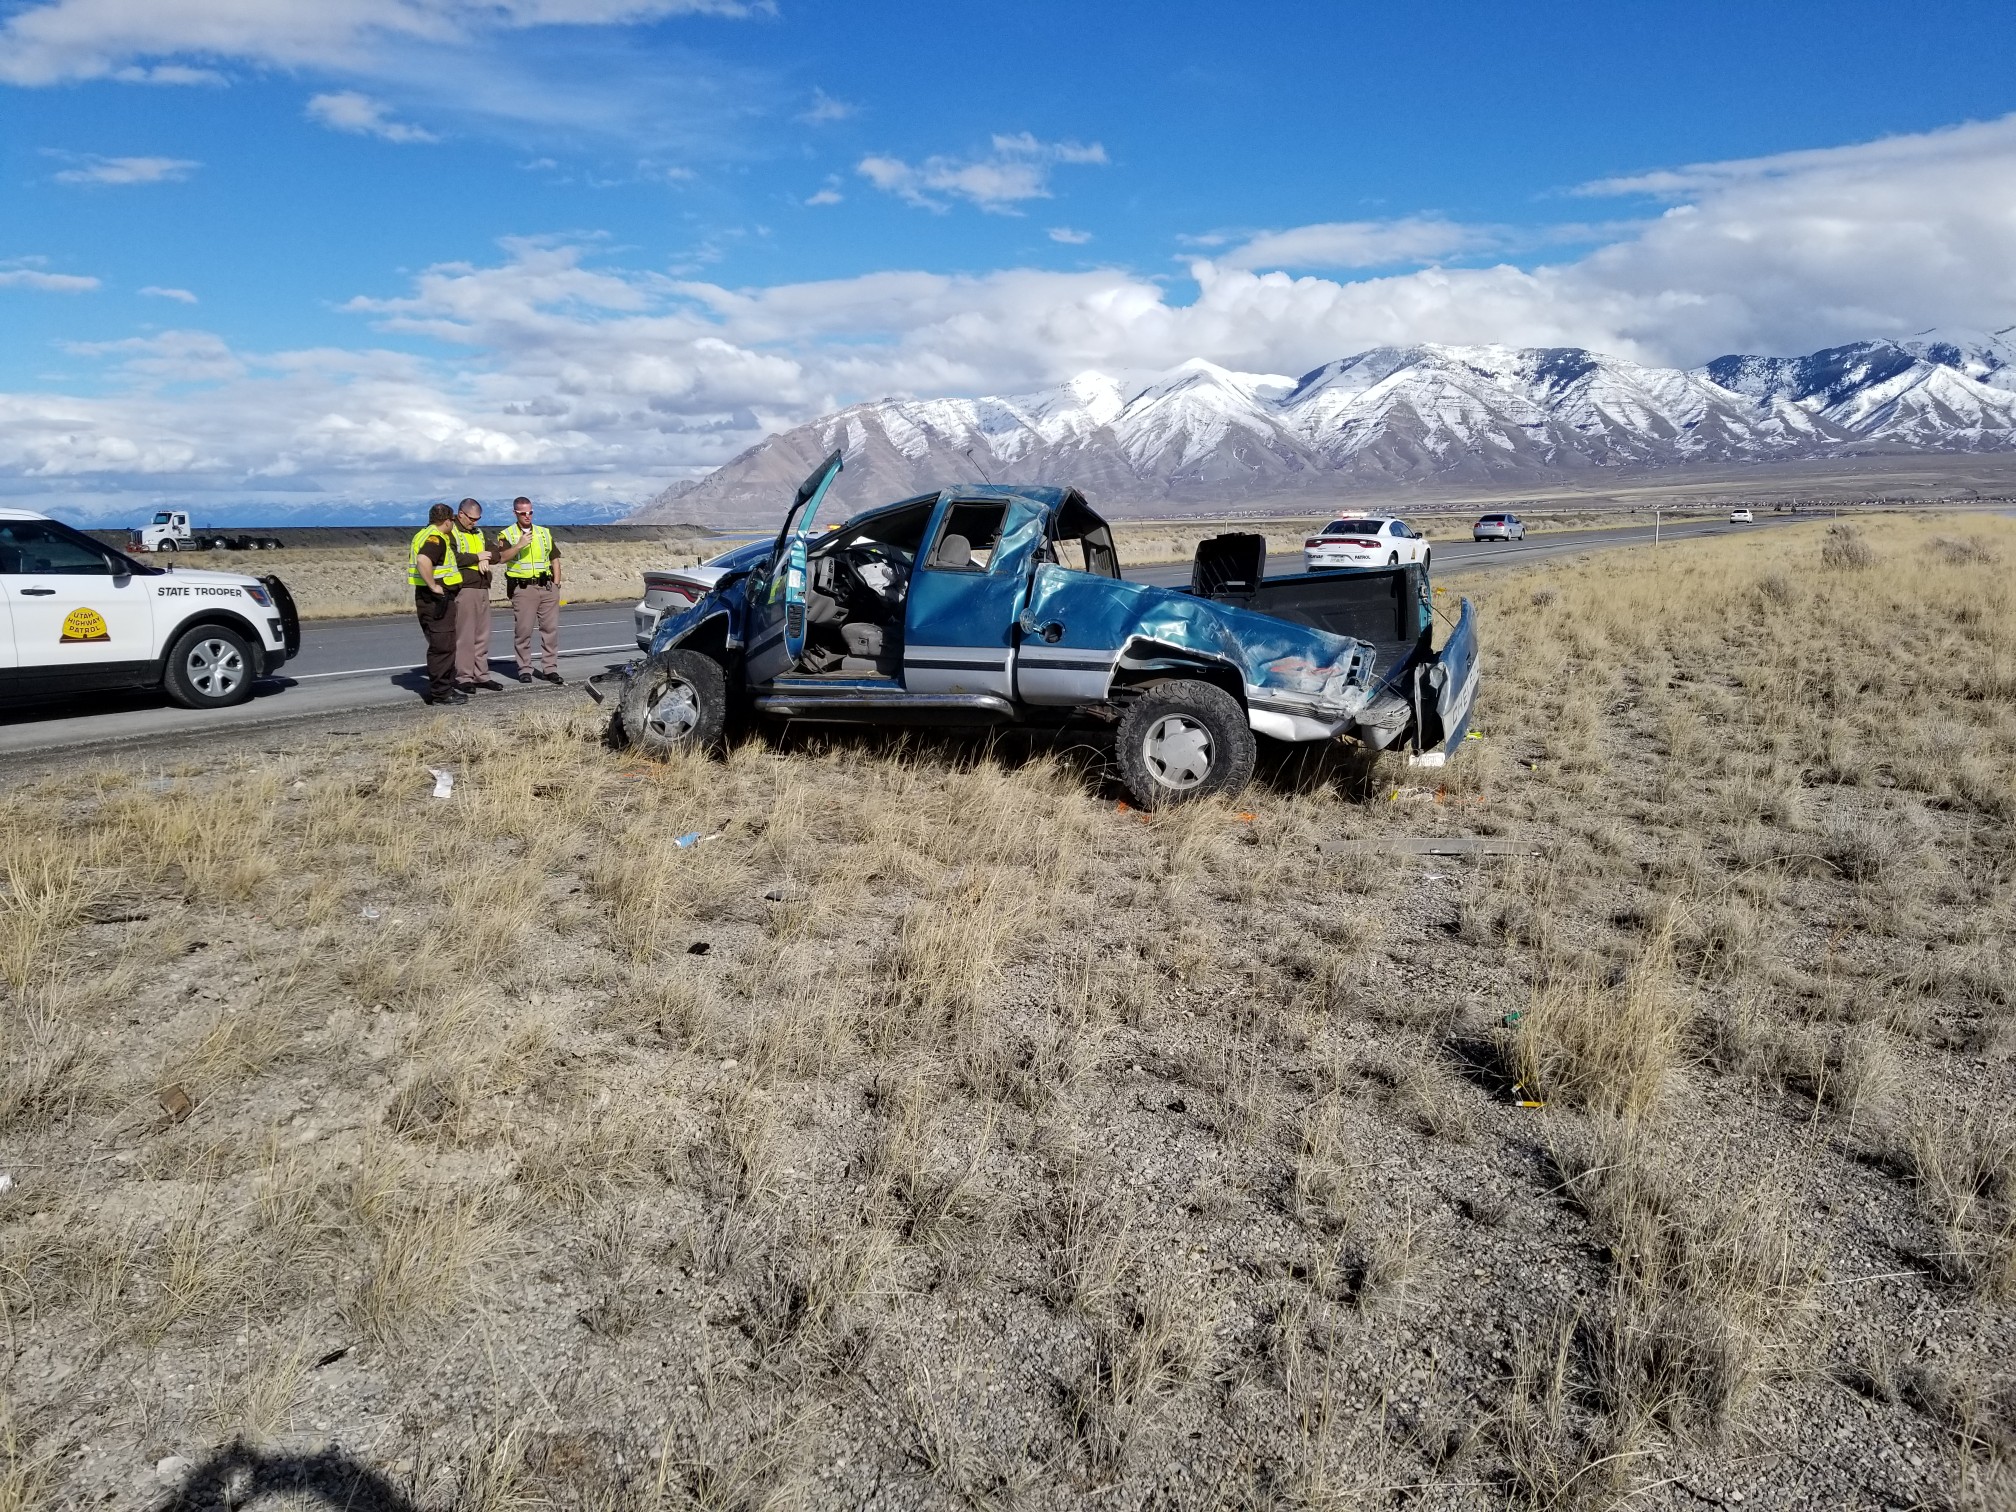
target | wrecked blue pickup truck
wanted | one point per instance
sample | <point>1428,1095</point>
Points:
<point>998,604</point>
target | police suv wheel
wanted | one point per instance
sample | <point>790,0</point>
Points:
<point>209,667</point>
<point>676,701</point>
<point>1184,739</point>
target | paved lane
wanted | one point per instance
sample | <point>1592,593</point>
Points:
<point>367,663</point>
<point>344,664</point>
<point>389,645</point>
<point>1451,557</point>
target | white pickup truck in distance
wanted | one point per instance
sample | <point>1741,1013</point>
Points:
<point>170,530</point>
<point>77,616</point>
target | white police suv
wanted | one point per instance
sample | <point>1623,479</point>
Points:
<point>77,616</point>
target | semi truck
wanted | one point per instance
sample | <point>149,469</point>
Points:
<point>170,530</point>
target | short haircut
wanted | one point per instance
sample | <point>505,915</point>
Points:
<point>467,502</point>
<point>521,499</point>
<point>438,513</point>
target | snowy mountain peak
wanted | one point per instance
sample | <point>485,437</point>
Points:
<point>1205,436</point>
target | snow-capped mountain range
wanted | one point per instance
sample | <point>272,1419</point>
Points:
<point>1201,437</point>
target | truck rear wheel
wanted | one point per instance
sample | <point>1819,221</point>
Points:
<point>209,667</point>
<point>1184,739</point>
<point>676,701</point>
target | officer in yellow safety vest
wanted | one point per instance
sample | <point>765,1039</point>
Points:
<point>437,579</point>
<point>532,579</point>
<point>472,605</point>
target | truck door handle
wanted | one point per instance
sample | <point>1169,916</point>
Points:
<point>36,592</point>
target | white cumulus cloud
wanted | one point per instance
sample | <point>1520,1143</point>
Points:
<point>1014,168</point>
<point>359,114</point>
<point>1069,237</point>
<point>594,380</point>
<point>146,40</point>
<point>176,74</point>
<point>825,110</point>
<point>180,296</point>
<point>90,169</point>
<point>47,283</point>
<point>1361,244</point>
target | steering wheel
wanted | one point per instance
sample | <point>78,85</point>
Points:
<point>864,554</point>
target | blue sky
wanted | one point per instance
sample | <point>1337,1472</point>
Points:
<point>368,248</point>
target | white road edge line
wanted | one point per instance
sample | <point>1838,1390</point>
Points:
<point>409,667</point>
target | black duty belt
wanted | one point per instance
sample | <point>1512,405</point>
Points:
<point>531,582</point>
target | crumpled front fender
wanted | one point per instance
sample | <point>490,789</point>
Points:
<point>724,604</point>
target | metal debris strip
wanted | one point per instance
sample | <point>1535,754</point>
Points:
<point>1445,845</point>
<point>1439,794</point>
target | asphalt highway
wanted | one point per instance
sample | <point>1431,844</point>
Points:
<point>367,663</point>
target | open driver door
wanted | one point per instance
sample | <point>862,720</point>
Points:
<point>776,635</point>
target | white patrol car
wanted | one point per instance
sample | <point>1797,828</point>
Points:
<point>1364,541</point>
<point>78,616</point>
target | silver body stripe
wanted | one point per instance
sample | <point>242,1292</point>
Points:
<point>958,669</point>
<point>1065,674</point>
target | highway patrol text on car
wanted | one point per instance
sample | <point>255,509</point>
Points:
<point>77,616</point>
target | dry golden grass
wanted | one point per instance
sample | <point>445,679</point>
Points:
<point>942,1134</point>
<point>339,582</point>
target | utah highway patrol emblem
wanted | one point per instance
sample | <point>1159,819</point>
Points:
<point>82,625</point>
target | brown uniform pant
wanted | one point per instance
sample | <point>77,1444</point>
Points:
<point>535,604</point>
<point>437,623</point>
<point>472,630</point>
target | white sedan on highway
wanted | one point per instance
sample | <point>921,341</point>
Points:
<point>1364,541</point>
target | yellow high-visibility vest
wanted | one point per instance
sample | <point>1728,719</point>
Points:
<point>467,542</point>
<point>537,559</point>
<point>448,574</point>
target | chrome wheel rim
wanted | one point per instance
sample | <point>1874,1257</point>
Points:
<point>675,714</point>
<point>216,668</point>
<point>1177,751</point>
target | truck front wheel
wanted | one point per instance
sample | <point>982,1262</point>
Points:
<point>676,701</point>
<point>1184,739</point>
<point>209,667</point>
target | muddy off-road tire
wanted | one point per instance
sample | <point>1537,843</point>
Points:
<point>676,701</point>
<point>1183,739</point>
